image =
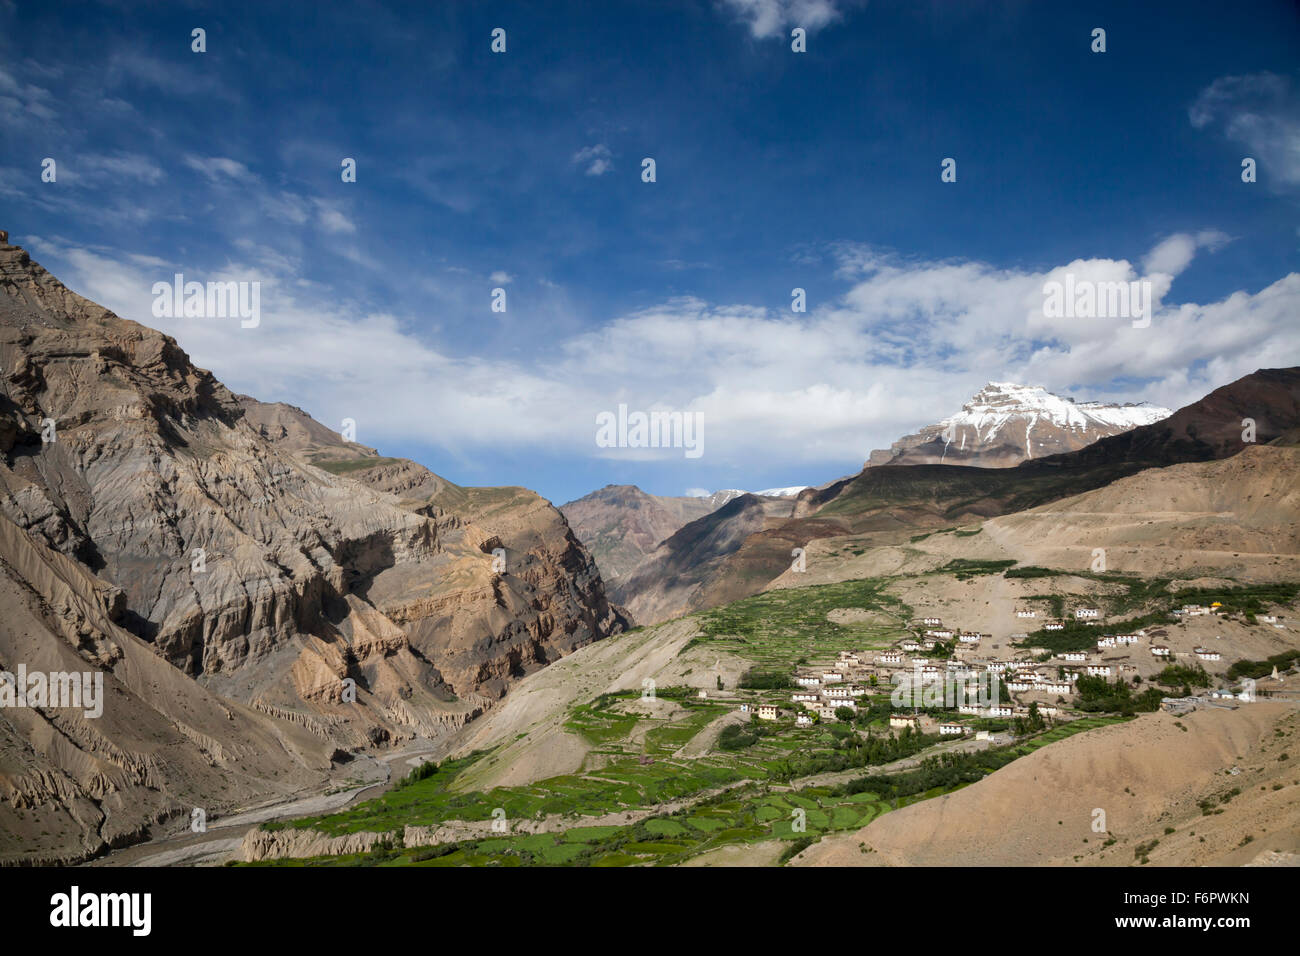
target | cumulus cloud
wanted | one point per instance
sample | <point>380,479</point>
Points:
<point>770,18</point>
<point>902,346</point>
<point>1175,254</point>
<point>1260,111</point>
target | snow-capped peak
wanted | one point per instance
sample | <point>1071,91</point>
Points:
<point>999,404</point>
<point>720,498</point>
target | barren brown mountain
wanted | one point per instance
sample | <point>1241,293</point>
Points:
<point>621,524</point>
<point>257,557</point>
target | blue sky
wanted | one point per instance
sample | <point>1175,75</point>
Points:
<point>775,170</point>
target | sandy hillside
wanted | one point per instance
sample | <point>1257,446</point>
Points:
<point>1147,775</point>
<point>530,721</point>
<point>1237,517</point>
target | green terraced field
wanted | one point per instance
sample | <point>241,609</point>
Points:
<point>730,797</point>
<point>778,628</point>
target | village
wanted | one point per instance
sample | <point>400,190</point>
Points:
<point>944,680</point>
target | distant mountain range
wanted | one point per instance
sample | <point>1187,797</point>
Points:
<point>621,524</point>
<point>1005,424</point>
<point>738,549</point>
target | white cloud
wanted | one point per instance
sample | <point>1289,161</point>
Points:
<point>596,158</point>
<point>770,18</point>
<point>331,219</point>
<point>1262,112</point>
<point>501,278</point>
<point>1174,254</point>
<point>218,168</point>
<point>903,346</point>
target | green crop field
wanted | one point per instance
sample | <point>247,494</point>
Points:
<point>681,806</point>
<point>778,628</point>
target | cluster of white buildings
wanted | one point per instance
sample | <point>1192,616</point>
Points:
<point>1198,610</point>
<point>825,689</point>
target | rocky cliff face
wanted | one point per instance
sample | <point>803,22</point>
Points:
<point>259,555</point>
<point>1005,424</point>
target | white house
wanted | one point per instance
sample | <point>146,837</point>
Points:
<point>1074,655</point>
<point>1267,618</point>
<point>768,712</point>
<point>1099,670</point>
<point>911,644</point>
<point>808,681</point>
<point>832,677</point>
<point>951,730</point>
<point>969,637</point>
<point>940,634</point>
<point>1086,613</point>
<point>1026,614</point>
<point>1205,654</point>
<point>904,720</point>
<point>1126,638</point>
<point>1106,640</point>
<point>804,720</point>
<point>891,657</point>
<point>932,621</point>
<point>1159,650</point>
<point>804,697</point>
<point>1053,626</point>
